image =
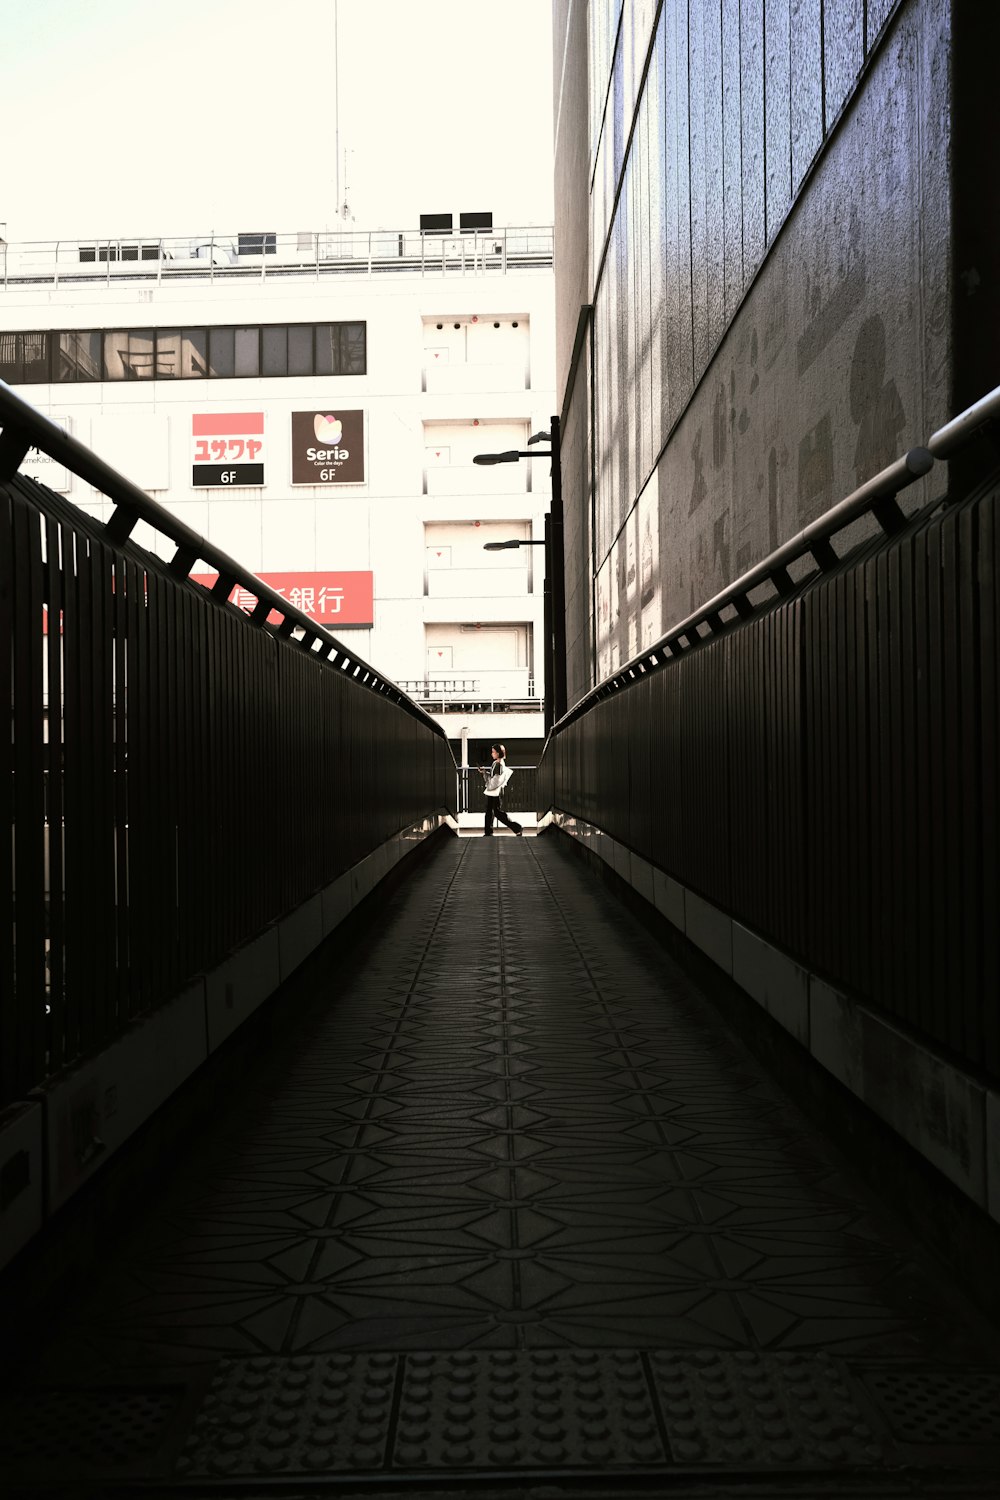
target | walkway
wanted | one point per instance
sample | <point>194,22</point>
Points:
<point>512,1203</point>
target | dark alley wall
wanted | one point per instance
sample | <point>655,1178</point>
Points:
<point>773,272</point>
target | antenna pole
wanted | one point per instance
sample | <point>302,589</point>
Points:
<point>336,111</point>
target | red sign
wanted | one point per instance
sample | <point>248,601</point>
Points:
<point>339,600</point>
<point>228,449</point>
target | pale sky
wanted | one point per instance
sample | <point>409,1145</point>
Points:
<point>129,117</point>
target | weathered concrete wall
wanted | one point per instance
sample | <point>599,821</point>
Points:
<point>772,251</point>
<point>838,359</point>
<point>578,534</point>
<point>572,175</point>
<point>572,262</point>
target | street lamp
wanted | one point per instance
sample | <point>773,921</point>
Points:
<point>518,542</point>
<point>554,624</point>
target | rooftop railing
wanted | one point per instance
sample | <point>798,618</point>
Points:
<point>312,254</point>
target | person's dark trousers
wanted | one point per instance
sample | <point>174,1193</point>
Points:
<point>495,809</point>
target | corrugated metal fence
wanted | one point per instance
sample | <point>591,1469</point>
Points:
<point>177,777</point>
<point>827,773</point>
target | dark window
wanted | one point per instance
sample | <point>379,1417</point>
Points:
<point>274,350</point>
<point>341,349</point>
<point>10,358</point>
<point>194,353</point>
<point>300,351</point>
<point>35,358</point>
<point>247,351</point>
<point>354,346</point>
<point>88,253</point>
<point>256,244</point>
<point>221,352</point>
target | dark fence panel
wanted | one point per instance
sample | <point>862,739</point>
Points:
<point>826,772</point>
<point>520,794</point>
<point>187,778</point>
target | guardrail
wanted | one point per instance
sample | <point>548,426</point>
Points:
<point>519,794</point>
<point>506,686</point>
<point>182,773</point>
<point>264,257</point>
<point>876,497</point>
<point>23,428</point>
<point>812,762</point>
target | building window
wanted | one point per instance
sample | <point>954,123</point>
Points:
<point>222,352</point>
<point>24,358</point>
<point>341,349</point>
<point>256,244</point>
<point>247,352</point>
<point>79,356</point>
<point>300,351</point>
<point>129,354</point>
<point>181,353</point>
<point>272,350</point>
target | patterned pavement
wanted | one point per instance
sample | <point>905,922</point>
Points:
<point>514,1134</point>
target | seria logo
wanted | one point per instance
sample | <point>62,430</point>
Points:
<point>328,430</point>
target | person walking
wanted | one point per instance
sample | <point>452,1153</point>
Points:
<point>495,779</point>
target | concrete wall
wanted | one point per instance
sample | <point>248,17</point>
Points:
<point>571,241</point>
<point>571,250</point>
<point>773,264</point>
<point>578,533</point>
<point>837,360</point>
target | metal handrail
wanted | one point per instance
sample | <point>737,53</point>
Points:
<point>364,251</point>
<point>877,496</point>
<point>958,431</point>
<point>24,427</point>
<point>816,536</point>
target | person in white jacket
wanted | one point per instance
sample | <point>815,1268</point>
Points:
<point>495,779</point>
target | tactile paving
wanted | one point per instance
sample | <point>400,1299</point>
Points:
<point>938,1406</point>
<point>305,1415</point>
<point>749,1408</point>
<point>512,1409</point>
<point>81,1430</point>
<point>515,1409</point>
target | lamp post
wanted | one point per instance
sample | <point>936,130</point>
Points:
<point>554,589</point>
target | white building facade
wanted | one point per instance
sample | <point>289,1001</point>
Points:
<point>311,404</point>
